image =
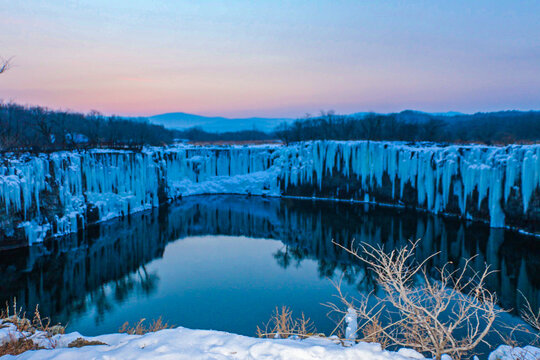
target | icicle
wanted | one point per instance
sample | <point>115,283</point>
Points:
<point>530,175</point>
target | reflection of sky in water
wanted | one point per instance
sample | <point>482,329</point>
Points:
<point>218,282</point>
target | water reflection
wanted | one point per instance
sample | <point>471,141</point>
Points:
<point>98,270</point>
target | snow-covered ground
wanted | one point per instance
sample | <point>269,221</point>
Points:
<point>181,343</point>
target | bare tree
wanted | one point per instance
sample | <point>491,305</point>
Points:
<point>372,126</point>
<point>283,133</point>
<point>42,125</point>
<point>5,65</point>
<point>449,314</point>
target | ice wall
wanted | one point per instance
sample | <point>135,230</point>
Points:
<point>473,181</point>
<point>52,194</point>
<point>220,170</point>
<point>59,193</point>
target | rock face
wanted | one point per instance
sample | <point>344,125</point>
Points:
<point>53,194</point>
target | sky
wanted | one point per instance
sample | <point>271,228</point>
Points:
<point>271,58</point>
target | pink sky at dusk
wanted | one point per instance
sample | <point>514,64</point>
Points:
<point>267,58</point>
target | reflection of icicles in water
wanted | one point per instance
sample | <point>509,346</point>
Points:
<point>112,253</point>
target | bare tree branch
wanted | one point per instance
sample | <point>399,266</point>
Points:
<point>5,64</point>
<point>450,313</point>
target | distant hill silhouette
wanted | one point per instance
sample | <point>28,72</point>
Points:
<point>182,121</point>
<point>409,125</point>
<point>219,124</point>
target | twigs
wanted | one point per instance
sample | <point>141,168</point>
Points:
<point>282,325</point>
<point>5,64</point>
<point>26,331</point>
<point>451,314</point>
<point>141,328</point>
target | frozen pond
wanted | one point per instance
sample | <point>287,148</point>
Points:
<point>225,262</point>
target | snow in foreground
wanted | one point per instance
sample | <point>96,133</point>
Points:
<point>182,343</point>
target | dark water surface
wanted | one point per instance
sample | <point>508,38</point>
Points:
<point>225,262</point>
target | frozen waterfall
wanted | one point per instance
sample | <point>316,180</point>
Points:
<point>53,194</point>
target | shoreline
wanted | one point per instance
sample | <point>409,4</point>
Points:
<point>183,343</point>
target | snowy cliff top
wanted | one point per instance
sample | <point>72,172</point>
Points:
<point>178,147</point>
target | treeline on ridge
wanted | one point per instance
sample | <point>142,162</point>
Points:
<point>503,127</point>
<point>34,128</point>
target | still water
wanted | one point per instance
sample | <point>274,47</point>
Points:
<point>226,262</point>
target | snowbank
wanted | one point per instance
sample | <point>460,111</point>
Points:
<point>505,352</point>
<point>181,343</point>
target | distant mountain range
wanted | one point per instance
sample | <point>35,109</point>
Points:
<point>181,121</point>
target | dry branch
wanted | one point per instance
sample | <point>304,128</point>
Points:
<point>450,314</point>
<point>5,65</point>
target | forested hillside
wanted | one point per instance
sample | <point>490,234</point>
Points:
<point>503,127</point>
<point>34,128</point>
